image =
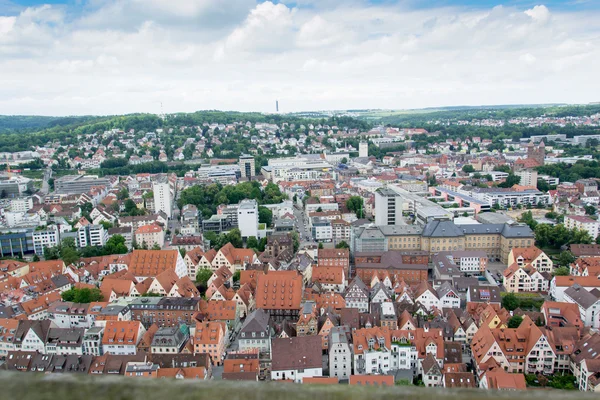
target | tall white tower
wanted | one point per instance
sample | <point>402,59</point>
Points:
<point>363,149</point>
<point>162,198</point>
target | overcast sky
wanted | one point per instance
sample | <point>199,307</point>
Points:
<point>121,56</point>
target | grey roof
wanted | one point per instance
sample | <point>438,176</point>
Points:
<point>581,296</point>
<point>66,336</point>
<point>338,334</point>
<point>359,283</point>
<point>491,294</point>
<point>445,289</point>
<point>169,336</point>
<point>395,230</point>
<point>60,280</point>
<point>442,229</point>
<point>369,232</point>
<point>257,321</point>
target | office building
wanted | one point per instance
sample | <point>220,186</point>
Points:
<point>247,166</point>
<point>388,207</point>
<point>247,217</point>
<point>363,149</point>
<point>77,184</point>
<point>16,242</point>
<point>321,229</point>
<point>15,186</point>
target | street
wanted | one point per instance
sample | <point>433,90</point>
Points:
<point>302,228</point>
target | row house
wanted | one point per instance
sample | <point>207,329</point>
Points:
<point>533,256</point>
<point>525,278</point>
<point>379,350</point>
<point>525,349</point>
<point>332,279</point>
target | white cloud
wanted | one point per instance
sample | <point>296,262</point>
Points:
<point>527,58</point>
<point>120,56</point>
<point>267,28</point>
<point>539,13</point>
<point>7,24</point>
<point>318,32</point>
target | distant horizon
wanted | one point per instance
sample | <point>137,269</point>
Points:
<point>433,109</point>
<point>118,57</point>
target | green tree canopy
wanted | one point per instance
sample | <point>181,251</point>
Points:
<point>356,204</point>
<point>510,302</point>
<point>515,321</point>
<point>252,242</point>
<point>83,295</point>
<point>265,216</point>
<point>203,275</point>
<point>468,169</point>
<point>561,271</point>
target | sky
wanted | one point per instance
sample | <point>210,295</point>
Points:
<point>98,57</point>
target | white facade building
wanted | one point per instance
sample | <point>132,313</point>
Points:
<point>363,149</point>
<point>163,200</point>
<point>583,223</point>
<point>247,215</point>
<point>46,238</point>
<point>340,354</point>
<point>388,207</point>
<point>23,204</point>
<point>321,229</point>
<point>91,235</point>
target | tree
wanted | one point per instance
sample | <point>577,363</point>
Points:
<point>265,216</point>
<point>262,244</point>
<point>67,250</point>
<point>561,271</point>
<point>252,242</point>
<point>156,247</point>
<point>235,238</point>
<point>83,295</point>
<point>123,194</point>
<point>296,241</point>
<point>510,302</point>
<point>320,245</point>
<point>107,225</point>
<point>115,245</point>
<point>236,276</point>
<point>542,185</point>
<point>51,253</point>
<point>319,209</point>
<point>510,181</point>
<point>342,245</point>
<point>527,218</point>
<point>344,160</point>
<point>182,252</point>
<point>590,210</point>
<point>36,258</point>
<point>515,321</point>
<point>203,275</point>
<point>356,204</point>
<point>468,169</point>
<point>566,258</point>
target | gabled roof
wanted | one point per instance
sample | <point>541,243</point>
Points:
<point>257,321</point>
<point>279,290</point>
<point>296,353</point>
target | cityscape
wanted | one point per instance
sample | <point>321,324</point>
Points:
<point>405,245</point>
